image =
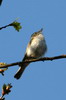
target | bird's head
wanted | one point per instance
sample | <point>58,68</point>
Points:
<point>37,33</point>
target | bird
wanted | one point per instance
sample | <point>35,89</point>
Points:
<point>36,48</point>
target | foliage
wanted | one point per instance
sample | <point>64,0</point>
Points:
<point>16,25</point>
<point>6,89</point>
<point>4,69</point>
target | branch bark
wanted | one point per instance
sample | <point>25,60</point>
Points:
<point>35,60</point>
<point>5,26</point>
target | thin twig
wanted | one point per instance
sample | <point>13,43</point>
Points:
<point>5,26</point>
<point>35,60</point>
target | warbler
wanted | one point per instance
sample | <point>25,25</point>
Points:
<point>36,48</point>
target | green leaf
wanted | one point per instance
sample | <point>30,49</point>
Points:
<point>16,25</point>
<point>3,64</point>
<point>4,87</point>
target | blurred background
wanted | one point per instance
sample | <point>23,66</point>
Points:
<point>41,80</point>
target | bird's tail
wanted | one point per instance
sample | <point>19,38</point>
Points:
<point>20,70</point>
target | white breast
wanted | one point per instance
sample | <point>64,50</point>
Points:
<point>37,47</point>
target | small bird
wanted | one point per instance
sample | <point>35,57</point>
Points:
<point>36,48</point>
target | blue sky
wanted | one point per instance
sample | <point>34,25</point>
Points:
<point>41,80</point>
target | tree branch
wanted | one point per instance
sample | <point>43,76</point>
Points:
<point>35,60</point>
<point>1,2</point>
<point>15,24</point>
<point>5,26</point>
